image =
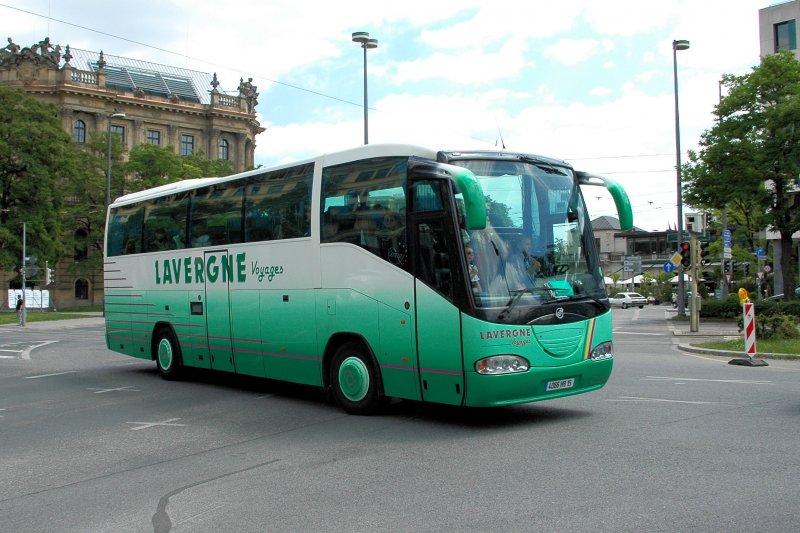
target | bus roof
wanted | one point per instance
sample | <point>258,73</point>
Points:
<point>333,158</point>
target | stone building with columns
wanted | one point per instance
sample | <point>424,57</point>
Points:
<point>145,103</point>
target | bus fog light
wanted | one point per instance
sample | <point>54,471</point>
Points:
<point>502,364</point>
<point>602,351</point>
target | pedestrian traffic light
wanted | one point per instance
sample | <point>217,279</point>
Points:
<point>686,254</point>
<point>704,252</point>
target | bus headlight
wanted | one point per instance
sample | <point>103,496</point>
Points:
<point>502,364</point>
<point>604,350</point>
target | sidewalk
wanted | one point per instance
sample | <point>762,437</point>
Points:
<point>91,320</point>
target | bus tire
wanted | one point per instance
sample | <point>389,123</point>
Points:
<point>168,355</point>
<point>354,381</point>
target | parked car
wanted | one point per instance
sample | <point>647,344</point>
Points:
<point>780,296</point>
<point>628,299</point>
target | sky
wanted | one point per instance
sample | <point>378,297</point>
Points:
<point>580,80</point>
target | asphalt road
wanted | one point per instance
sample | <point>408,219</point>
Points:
<point>92,441</point>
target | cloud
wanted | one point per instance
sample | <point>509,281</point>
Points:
<point>574,51</point>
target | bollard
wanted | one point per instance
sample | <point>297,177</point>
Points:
<point>749,332</point>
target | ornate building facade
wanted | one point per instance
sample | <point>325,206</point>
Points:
<point>141,102</point>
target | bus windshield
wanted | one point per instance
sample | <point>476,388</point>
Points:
<point>537,247</point>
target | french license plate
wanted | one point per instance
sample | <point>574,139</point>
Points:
<point>560,384</point>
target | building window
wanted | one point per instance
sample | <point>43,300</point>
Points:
<point>187,145</point>
<point>785,36</point>
<point>154,137</point>
<point>79,132</point>
<point>81,289</point>
<point>223,149</point>
<point>119,131</point>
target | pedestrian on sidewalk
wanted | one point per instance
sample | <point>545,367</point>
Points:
<point>20,310</point>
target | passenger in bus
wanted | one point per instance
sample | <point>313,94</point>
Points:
<point>160,240</point>
<point>330,224</point>
<point>392,238</point>
<point>521,267</point>
<point>472,270</point>
<point>367,231</point>
<point>131,246</point>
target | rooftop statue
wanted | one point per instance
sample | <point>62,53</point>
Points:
<point>39,53</point>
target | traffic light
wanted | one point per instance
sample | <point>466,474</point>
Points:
<point>728,267</point>
<point>704,252</point>
<point>686,254</point>
<point>49,276</point>
<point>746,269</point>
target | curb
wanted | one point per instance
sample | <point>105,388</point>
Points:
<point>730,353</point>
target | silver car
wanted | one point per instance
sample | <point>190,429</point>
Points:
<point>628,299</point>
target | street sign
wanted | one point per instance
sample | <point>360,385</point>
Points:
<point>669,267</point>
<point>767,268</point>
<point>675,259</point>
<point>726,237</point>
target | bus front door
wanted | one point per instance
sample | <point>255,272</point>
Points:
<point>438,325</point>
<point>218,309</point>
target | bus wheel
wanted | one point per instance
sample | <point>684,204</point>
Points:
<point>168,355</point>
<point>354,380</point>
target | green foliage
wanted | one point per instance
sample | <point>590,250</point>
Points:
<point>498,213</point>
<point>749,161</point>
<point>727,308</point>
<point>38,161</point>
<point>150,166</point>
<point>774,327</point>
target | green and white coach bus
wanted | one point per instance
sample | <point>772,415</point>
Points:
<point>387,271</point>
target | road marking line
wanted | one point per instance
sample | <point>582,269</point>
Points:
<point>145,425</point>
<point>26,354</point>
<point>8,356</point>
<point>50,375</point>
<point>664,400</point>
<point>126,389</point>
<point>618,332</point>
<point>741,381</point>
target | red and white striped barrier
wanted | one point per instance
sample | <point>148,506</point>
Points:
<point>749,330</point>
<point>748,308</point>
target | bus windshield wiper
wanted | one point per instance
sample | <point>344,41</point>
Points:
<point>578,297</point>
<point>516,294</point>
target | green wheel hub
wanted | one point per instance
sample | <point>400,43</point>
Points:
<point>354,379</point>
<point>165,354</point>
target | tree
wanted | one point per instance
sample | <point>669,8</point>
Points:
<point>84,213</point>
<point>151,166</point>
<point>750,160</point>
<point>37,159</point>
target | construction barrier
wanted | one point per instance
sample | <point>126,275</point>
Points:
<point>749,332</point>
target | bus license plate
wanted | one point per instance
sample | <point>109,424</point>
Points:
<point>560,384</point>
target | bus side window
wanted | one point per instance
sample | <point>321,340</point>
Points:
<point>434,260</point>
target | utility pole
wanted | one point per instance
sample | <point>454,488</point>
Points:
<point>694,300</point>
<point>24,280</point>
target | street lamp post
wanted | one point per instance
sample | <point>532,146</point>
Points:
<point>366,43</point>
<point>680,44</point>
<point>115,114</point>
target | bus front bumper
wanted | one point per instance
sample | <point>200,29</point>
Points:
<point>536,384</point>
